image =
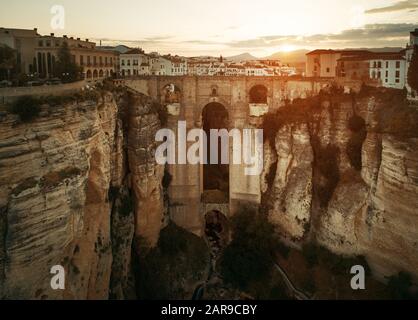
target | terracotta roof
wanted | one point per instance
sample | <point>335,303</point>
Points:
<point>374,56</point>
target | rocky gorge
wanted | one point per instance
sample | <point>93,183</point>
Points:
<point>79,187</point>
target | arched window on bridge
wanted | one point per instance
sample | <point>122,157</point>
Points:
<point>171,94</point>
<point>258,94</point>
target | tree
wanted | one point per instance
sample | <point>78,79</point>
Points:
<point>413,70</point>
<point>66,69</point>
<point>26,107</point>
<point>248,258</point>
<point>7,61</point>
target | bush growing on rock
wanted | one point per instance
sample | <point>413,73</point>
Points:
<point>357,126</point>
<point>400,287</point>
<point>248,258</point>
<point>27,108</point>
<point>173,267</point>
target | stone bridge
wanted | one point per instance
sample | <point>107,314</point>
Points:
<point>217,102</point>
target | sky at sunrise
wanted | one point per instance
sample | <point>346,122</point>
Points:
<point>228,27</point>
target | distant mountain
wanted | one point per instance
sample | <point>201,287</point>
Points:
<point>297,56</point>
<point>242,57</point>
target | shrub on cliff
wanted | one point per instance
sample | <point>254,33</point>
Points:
<point>173,267</point>
<point>27,108</point>
<point>248,258</point>
<point>326,163</point>
<point>357,126</point>
<point>400,120</point>
<point>400,287</point>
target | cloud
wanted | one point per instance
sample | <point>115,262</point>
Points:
<point>370,36</point>
<point>411,5</point>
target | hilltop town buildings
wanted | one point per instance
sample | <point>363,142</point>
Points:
<point>37,54</point>
<point>386,69</point>
<point>96,64</point>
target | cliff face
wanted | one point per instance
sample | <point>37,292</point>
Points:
<point>319,191</point>
<point>66,199</point>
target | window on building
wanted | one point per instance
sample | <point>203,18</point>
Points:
<point>397,80</point>
<point>128,62</point>
<point>397,74</point>
<point>81,61</point>
<point>57,43</point>
<point>386,80</point>
<point>387,64</point>
<point>95,60</point>
<point>40,43</point>
<point>328,70</point>
<point>374,64</point>
<point>88,60</point>
<point>379,64</point>
<point>398,64</point>
<point>387,73</point>
<point>48,43</point>
<point>379,75</point>
<point>123,62</point>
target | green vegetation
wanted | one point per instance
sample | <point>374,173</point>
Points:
<point>299,111</point>
<point>177,263</point>
<point>27,108</point>
<point>66,68</point>
<point>8,59</point>
<point>248,258</point>
<point>339,265</point>
<point>326,163</point>
<point>167,179</point>
<point>357,126</point>
<point>126,206</point>
<point>399,119</point>
<point>413,70</point>
<point>400,286</point>
<point>113,193</point>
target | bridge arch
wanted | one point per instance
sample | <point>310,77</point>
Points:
<point>258,94</point>
<point>215,175</point>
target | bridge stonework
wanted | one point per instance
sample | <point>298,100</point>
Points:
<point>188,207</point>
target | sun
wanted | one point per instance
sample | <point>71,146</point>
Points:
<point>287,48</point>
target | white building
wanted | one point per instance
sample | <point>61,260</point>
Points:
<point>132,63</point>
<point>159,66</point>
<point>389,69</point>
<point>255,71</point>
<point>178,65</point>
<point>323,63</point>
